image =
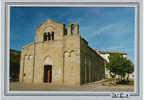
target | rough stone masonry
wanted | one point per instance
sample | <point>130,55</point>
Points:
<point>60,56</point>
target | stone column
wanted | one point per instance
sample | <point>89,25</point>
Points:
<point>76,29</point>
<point>69,31</point>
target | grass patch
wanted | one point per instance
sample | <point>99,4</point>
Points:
<point>109,80</point>
<point>126,83</point>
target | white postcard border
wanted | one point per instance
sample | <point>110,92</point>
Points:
<point>5,50</point>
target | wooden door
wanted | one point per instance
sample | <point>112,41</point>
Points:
<point>48,76</point>
<point>48,73</point>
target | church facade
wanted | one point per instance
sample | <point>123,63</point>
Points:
<point>60,56</point>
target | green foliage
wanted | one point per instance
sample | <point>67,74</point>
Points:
<point>119,65</point>
<point>14,65</point>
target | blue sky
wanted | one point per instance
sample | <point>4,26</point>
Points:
<point>106,28</point>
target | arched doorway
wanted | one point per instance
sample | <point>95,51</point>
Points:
<point>48,70</point>
<point>48,73</point>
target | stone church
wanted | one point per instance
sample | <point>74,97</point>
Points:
<point>59,55</point>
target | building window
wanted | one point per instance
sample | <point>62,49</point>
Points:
<point>49,37</point>
<point>26,57</point>
<point>85,67</point>
<point>72,28</point>
<point>45,37</point>
<point>30,57</point>
<point>67,54</point>
<point>52,35</point>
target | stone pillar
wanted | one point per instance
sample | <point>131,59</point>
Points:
<point>21,68</point>
<point>76,29</point>
<point>69,31</point>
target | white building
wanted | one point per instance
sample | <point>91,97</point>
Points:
<point>105,54</point>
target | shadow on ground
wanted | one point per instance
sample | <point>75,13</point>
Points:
<point>95,86</point>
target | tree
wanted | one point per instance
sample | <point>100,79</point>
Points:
<point>129,67</point>
<point>119,65</point>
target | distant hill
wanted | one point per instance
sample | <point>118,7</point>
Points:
<point>14,64</point>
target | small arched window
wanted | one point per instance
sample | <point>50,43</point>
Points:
<point>72,28</point>
<point>49,37</point>
<point>44,36</point>
<point>52,35</point>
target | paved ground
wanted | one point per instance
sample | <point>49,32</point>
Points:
<point>95,86</point>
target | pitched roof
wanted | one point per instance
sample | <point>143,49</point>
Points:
<point>110,52</point>
<point>48,21</point>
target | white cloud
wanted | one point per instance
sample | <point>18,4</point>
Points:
<point>114,28</point>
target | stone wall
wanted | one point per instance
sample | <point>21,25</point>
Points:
<point>27,64</point>
<point>72,60</point>
<point>91,64</point>
<point>54,51</point>
<point>50,26</point>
